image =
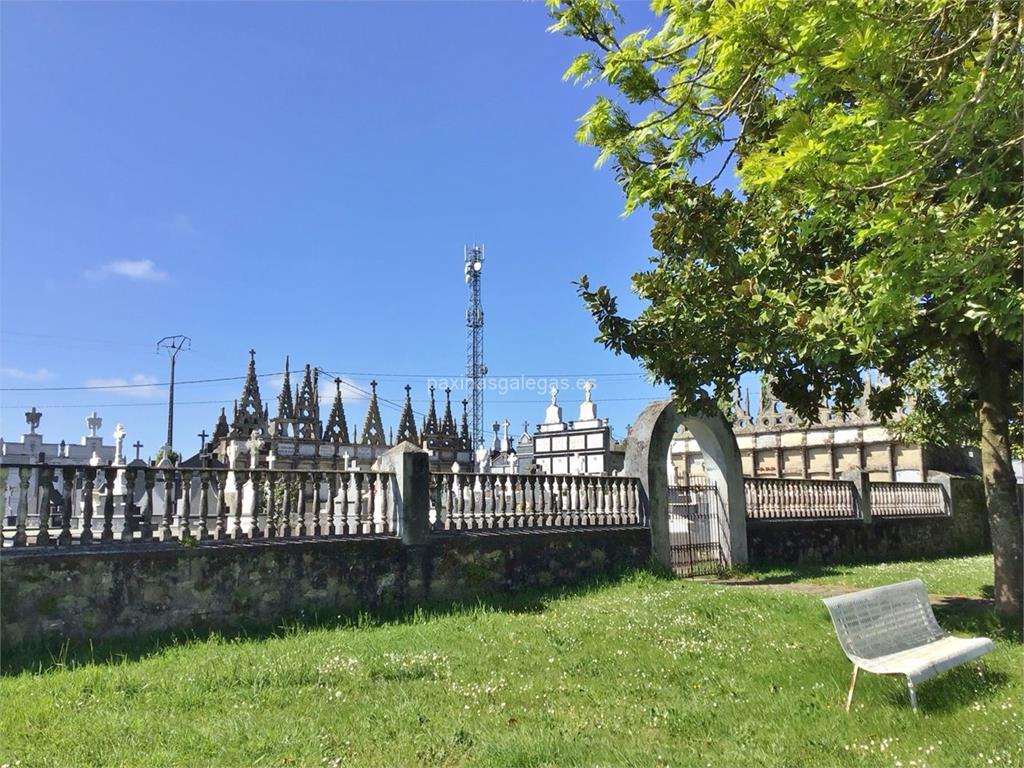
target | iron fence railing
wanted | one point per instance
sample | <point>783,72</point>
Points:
<point>474,501</point>
<point>73,504</point>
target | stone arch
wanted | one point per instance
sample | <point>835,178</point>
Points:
<point>646,453</point>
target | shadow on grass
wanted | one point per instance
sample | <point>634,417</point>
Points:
<point>789,572</point>
<point>964,686</point>
<point>54,656</point>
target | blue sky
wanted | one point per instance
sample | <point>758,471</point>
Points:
<point>299,178</point>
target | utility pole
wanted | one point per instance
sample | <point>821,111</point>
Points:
<point>173,345</point>
<point>475,368</point>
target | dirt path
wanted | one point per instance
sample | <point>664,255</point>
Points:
<point>960,602</point>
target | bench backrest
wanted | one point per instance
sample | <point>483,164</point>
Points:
<point>884,620</point>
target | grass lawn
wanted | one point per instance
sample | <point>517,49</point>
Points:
<point>969,576</point>
<point>644,671</point>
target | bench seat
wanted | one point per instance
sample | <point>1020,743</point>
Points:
<point>892,630</point>
<point>928,660</point>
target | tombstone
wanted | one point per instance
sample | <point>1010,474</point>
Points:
<point>553,414</point>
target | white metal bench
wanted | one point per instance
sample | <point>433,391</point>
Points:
<point>892,630</point>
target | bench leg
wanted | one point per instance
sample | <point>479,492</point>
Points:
<point>913,694</point>
<point>853,683</point>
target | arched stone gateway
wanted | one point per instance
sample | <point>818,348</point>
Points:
<point>646,457</point>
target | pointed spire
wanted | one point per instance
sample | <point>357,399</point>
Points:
<point>307,415</point>
<point>464,426</point>
<point>336,430</point>
<point>249,412</point>
<point>407,422</point>
<point>285,405</point>
<point>430,427</point>
<point>221,430</point>
<point>448,423</point>
<point>373,428</point>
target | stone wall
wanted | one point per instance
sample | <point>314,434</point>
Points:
<point>133,591</point>
<point>965,531</point>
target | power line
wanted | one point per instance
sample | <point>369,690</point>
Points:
<point>222,379</point>
<point>131,386</point>
<point>394,404</point>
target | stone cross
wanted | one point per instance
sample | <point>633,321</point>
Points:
<point>526,427</point>
<point>554,395</point>
<point>506,424</point>
<point>202,437</point>
<point>32,418</point>
<point>94,422</point>
<point>138,447</point>
<point>254,443</point>
<point>119,435</point>
<point>587,387</point>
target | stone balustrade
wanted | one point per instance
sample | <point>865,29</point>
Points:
<point>908,500</point>
<point>778,499</point>
<point>79,505</point>
<point>473,501</point>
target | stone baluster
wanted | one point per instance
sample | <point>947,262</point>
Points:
<point>257,479</point>
<point>529,505</point>
<point>600,507</point>
<point>204,500</point>
<point>21,524</point>
<point>186,505</point>
<point>345,528</point>
<point>45,489</point>
<point>332,496</point>
<point>300,505</point>
<point>221,530</point>
<point>314,479</point>
<point>130,513</point>
<point>286,509</point>
<point>110,478</point>
<point>476,500</point>
<point>241,478</point>
<point>497,494</point>
<point>146,513</point>
<point>587,498</point>
<point>272,509</point>
<point>168,518</point>
<point>455,521</point>
<point>67,503</point>
<point>552,510</point>
<point>494,518</point>
<point>360,516</point>
<point>387,507</point>
<point>88,488</point>
<point>515,501</point>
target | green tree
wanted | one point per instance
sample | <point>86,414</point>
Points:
<point>877,224</point>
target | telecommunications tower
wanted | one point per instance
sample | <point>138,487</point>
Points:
<point>475,368</point>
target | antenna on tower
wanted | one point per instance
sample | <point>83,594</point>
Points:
<point>475,368</point>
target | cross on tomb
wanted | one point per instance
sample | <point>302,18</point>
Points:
<point>32,418</point>
<point>138,447</point>
<point>94,422</point>
<point>202,437</point>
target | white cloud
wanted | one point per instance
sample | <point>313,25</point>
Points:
<point>138,269</point>
<point>17,374</point>
<point>139,385</point>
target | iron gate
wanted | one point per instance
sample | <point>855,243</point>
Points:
<point>695,530</point>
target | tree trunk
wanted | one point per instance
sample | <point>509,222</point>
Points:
<point>1004,513</point>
